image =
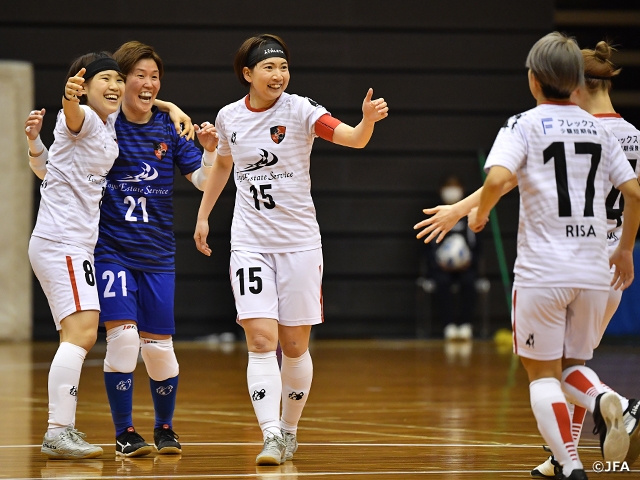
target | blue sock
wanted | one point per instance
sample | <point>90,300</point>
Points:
<point>120,392</point>
<point>164,400</point>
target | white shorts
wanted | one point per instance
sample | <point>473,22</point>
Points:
<point>284,286</point>
<point>549,323</point>
<point>66,275</point>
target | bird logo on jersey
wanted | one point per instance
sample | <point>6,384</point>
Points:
<point>266,160</point>
<point>160,149</point>
<point>277,133</point>
<point>148,173</point>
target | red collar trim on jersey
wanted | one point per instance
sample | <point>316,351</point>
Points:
<point>558,102</point>
<point>251,109</point>
<point>607,115</point>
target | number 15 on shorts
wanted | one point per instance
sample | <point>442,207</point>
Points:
<point>254,281</point>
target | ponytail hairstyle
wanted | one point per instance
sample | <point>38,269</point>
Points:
<point>598,68</point>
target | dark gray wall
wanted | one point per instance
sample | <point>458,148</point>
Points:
<point>452,72</point>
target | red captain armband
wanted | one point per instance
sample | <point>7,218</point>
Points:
<point>325,126</point>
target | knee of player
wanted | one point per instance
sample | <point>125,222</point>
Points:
<point>159,358</point>
<point>261,343</point>
<point>123,345</point>
<point>294,349</point>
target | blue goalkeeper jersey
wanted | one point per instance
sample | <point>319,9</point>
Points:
<point>136,216</point>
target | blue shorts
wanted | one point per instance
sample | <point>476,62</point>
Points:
<point>144,297</point>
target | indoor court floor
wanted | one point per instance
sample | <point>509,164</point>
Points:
<point>377,409</point>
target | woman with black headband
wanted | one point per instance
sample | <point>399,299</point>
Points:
<point>276,257</point>
<point>63,240</point>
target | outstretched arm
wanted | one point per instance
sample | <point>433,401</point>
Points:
<point>491,192</point>
<point>218,177</point>
<point>357,137</point>
<point>444,217</point>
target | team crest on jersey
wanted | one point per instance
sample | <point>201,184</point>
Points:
<point>277,133</point>
<point>160,149</point>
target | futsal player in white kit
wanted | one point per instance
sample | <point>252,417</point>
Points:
<point>63,240</point>
<point>594,98</point>
<point>563,158</point>
<point>276,257</point>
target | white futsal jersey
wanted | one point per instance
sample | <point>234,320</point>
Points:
<point>565,161</point>
<point>629,138</point>
<point>271,149</point>
<point>74,184</point>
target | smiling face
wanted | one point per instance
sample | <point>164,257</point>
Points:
<point>268,79</point>
<point>104,92</point>
<point>143,84</point>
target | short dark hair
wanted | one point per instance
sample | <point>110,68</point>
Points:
<point>132,52</point>
<point>247,47</point>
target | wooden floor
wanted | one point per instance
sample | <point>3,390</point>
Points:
<point>377,409</point>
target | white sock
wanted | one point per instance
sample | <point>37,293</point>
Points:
<point>552,414</point>
<point>297,374</point>
<point>577,420</point>
<point>265,389</point>
<point>64,377</point>
<point>581,385</point>
<point>624,401</point>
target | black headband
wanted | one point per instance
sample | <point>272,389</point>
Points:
<point>269,49</point>
<point>100,65</point>
<point>596,77</point>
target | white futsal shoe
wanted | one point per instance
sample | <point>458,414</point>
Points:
<point>291,444</point>
<point>273,452</point>
<point>68,445</point>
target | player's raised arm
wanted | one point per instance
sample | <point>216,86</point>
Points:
<point>73,90</point>
<point>357,137</point>
<point>38,153</point>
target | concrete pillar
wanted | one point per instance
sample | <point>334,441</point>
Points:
<point>16,198</point>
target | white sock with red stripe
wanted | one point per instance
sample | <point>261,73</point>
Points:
<point>552,414</point>
<point>624,401</point>
<point>64,377</point>
<point>265,389</point>
<point>577,420</point>
<point>581,385</point>
<point>297,374</point>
